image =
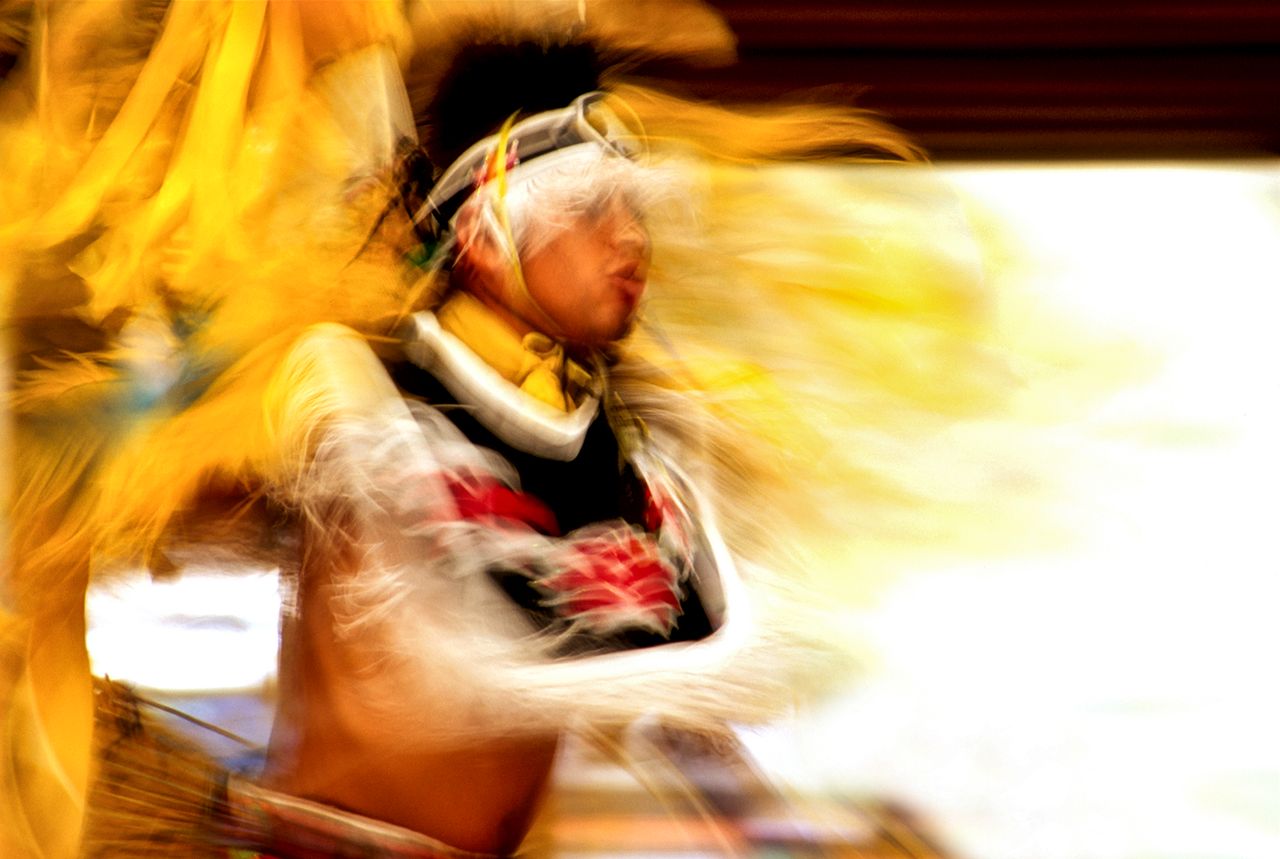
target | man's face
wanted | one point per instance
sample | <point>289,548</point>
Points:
<point>588,279</point>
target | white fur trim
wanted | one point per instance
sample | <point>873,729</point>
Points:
<point>520,420</point>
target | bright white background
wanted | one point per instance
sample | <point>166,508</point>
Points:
<point>1118,698</point>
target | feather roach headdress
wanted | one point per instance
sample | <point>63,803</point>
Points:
<point>478,66</point>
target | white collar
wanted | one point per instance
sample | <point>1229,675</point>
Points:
<point>522,421</point>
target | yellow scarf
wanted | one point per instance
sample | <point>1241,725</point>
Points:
<point>534,363</point>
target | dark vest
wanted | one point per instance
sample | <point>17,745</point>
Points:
<point>595,486</point>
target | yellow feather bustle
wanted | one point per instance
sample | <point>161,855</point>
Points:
<point>158,175</point>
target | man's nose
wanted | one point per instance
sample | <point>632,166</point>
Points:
<point>631,237</point>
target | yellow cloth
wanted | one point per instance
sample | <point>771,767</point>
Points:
<point>534,363</point>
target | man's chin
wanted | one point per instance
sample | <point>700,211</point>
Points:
<point>622,331</point>
<point>605,341</point>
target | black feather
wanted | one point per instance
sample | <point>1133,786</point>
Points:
<point>488,81</point>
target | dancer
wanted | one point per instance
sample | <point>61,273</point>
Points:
<point>539,516</point>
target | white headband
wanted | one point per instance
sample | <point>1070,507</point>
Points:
<point>557,139</point>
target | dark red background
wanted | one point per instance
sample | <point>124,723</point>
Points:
<point>1015,79</point>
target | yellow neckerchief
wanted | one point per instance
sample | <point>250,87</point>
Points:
<point>535,363</point>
